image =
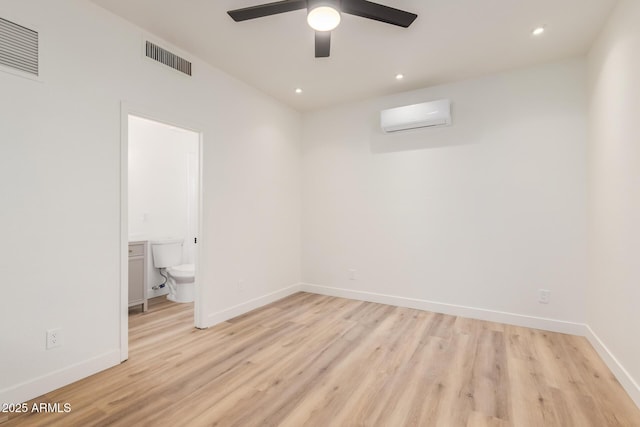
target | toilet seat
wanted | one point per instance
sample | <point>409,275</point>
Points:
<point>182,271</point>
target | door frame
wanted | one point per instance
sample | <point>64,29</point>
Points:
<point>171,119</point>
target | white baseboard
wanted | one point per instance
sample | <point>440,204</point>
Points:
<point>621,374</point>
<point>454,310</point>
<point>151,293</point>
<point>44,384</point>
<point>245,307</point>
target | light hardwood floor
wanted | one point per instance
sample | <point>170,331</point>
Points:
<point>311,360</point>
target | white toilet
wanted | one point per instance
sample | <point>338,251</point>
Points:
<point>167,256</point>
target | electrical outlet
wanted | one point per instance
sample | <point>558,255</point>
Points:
<point>240,285</point>
<point>54,338</point>
<point>544,296</point>
<point>352,274</point>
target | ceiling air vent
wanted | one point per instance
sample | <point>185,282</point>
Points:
<point>18,47</point>
<point>167,58</point>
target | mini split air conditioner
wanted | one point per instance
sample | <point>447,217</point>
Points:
<point>427,114</point>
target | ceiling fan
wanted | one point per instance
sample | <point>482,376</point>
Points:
<point>324,15</point>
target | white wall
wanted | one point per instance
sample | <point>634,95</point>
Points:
<point>614,198</point>
<point>480,214</point>
<point>60,186</point>
<point>159,179</point>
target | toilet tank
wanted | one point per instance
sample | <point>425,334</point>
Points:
<point>166,253</point>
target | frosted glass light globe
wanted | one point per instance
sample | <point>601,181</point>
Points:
<point>323,18</point>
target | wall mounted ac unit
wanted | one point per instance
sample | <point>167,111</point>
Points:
<point>427,114</point>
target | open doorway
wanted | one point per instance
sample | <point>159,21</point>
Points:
<point>161,219</point>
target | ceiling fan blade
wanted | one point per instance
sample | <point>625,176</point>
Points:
<point>261,10</point>
<point>323,44</point>
<point>379,12</point>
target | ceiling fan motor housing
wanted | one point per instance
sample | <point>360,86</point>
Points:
<point>312,4</point>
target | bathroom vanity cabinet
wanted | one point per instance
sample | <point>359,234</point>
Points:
<point>137,274</point>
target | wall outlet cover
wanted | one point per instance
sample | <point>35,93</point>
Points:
<point>54,338</point>
<point>544,296</point>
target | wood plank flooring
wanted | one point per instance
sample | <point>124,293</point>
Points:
<point>311,360</point>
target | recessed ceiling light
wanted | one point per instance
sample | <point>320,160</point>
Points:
<point>399,76</point>
<point>538,31</point>
<point>298,90</point>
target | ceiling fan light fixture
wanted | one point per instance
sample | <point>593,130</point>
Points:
<point>325,15</point>
<point>323,18</point>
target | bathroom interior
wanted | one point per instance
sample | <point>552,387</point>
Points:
<point>162,215</point>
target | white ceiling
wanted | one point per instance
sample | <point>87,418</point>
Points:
<point>451,40</point>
